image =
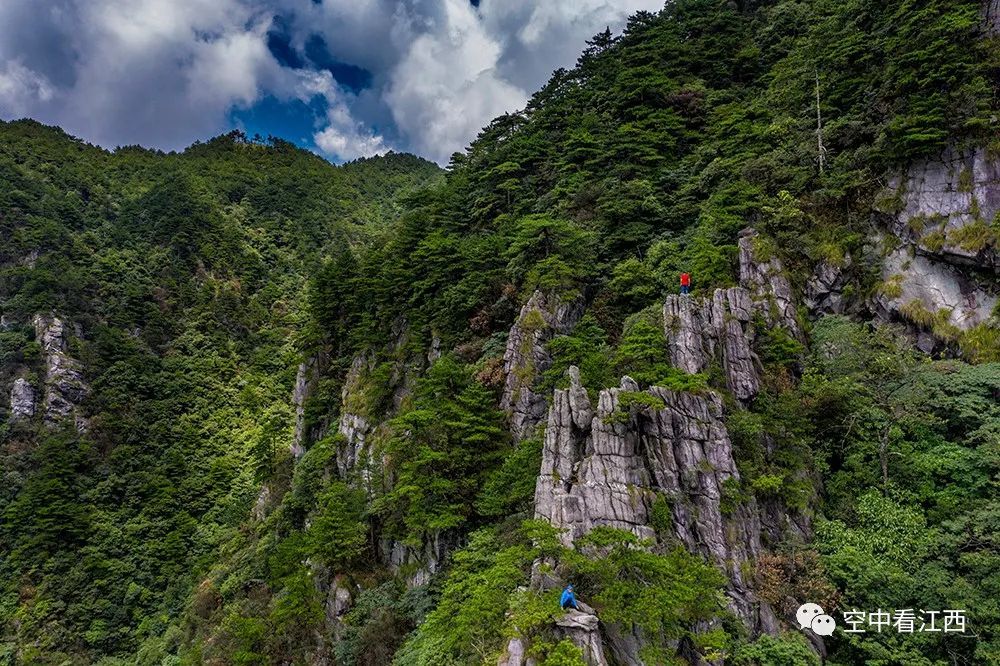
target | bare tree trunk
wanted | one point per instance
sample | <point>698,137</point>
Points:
<point>883,457</point>
<point>819,129</point>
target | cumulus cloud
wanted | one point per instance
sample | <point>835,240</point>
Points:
<point>156,72</point>
<point>447,85</point>
<point>21,88</point>
<point>340,133</point>
<point>168,72</point>
<point>445,68</point>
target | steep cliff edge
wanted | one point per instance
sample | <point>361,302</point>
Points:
<point>763,275</point>
<point>607,465</point>
<point>941,261</point>
<point>720,329</point>
<point>22,400</point>
<point>700,331</point>
<point>62,389</point>
<point>526,357</point>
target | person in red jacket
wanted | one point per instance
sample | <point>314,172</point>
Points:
<point>685,283</point>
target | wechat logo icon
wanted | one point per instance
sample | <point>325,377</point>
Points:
<point>811,616</point>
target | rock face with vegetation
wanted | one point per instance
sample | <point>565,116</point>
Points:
<point>721,329</point>
<point>526,358</point>
<point>825,290</point>
<point>272,410</point>
<point>941,265</point>
<point>63,375</point>
<point>353,453</point>
<point>645,462</point>
<point>22,400</point>
<point>701,331</point>
<point>947,205</point>
<point>768,284</point>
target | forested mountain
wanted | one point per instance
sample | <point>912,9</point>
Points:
<point>267,410</point>
<point>153,312</point>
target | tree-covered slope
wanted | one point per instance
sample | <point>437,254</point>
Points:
<point>341,415</point>
<point>180,278</point>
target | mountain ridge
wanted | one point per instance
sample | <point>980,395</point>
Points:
<point>376,414</point>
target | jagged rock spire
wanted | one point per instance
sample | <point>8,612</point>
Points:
<point>605,466</point>
<point>64,386</point>
<point>525,358</point>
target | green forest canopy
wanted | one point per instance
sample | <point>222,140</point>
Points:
<point>200,280</point>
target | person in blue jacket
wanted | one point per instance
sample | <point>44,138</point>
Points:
<point>568,599</point>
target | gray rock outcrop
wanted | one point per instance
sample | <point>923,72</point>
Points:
<point>947,205</point>
<point>353,450</point>
<point>262,504</point>
<point>824,293</point>
<point>22,400</point>
<point>606,465</point>
<point>940,256</point>
<point>583,630</point>
<point>353,425</point>
<point>64,386</point>
<point>417,563</point>
<point>581,627</point>
<point>305,380</point>
<point>516,654</point>
<point>991,17</point>
<point>525,358</point>
<point>338,600</point>
<point>768,285</point>
<point>700,330</point>
<point>720,328</point>
<point>918,285</point>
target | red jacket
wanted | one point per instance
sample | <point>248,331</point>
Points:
<point>685,280</point>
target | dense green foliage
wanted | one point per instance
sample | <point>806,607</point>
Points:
<point>661,594</point>
<point>176,530</point>
<point>923,437</point>
<point>918,439</point>
<point>438,454</point>
<point>186,271</point>
<point>662,143</point>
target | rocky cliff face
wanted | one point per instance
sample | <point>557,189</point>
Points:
<point>825,290</point>
<point>765,279</point>
<point>701,330</point>
<point>22,400</point>
<point>418,563</point>
<point>305,381</point>
<point>991,17</point>
<point>605,465</point>
<point>64,388</point>
<point>720,328</point>
<point>943,203</point>
<point>355,457</point>
<point>526,358</point>
<point>354,427</point>
<point>940,251</point>
<point>584,629</point>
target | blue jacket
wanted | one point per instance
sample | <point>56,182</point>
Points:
<point>567,599</point>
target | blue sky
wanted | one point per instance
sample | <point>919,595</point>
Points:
<point>343,78</point>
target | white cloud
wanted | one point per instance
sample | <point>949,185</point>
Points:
<point>341,135</point>
<point>20,88</point>
<point>167,72</point>
<point>228,68</point>
<point>446,68</point>
<point>156,72</point>
<point>349,143</point>
<point>446,86</point>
